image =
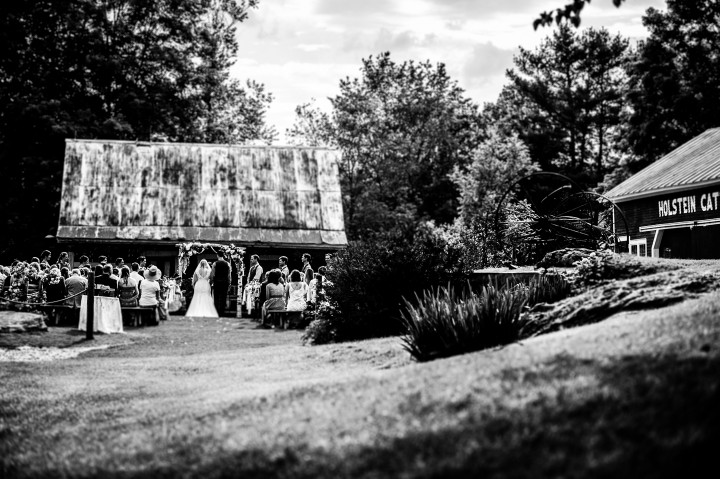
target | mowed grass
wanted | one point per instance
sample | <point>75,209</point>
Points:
<point>636,395</point>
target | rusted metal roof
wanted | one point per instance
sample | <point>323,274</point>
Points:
<point>691,165</point>
<point>169,192</point>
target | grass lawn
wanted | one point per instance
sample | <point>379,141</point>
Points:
<point>635,395</point>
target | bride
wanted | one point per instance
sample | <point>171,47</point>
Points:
<point>202,304</point>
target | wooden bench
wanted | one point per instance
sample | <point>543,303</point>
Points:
<point>143,311</point>
<point>284,319</point>
<point>57,309</point>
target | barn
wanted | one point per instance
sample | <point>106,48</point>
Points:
<point>126,198</point>
<point>672,207</point>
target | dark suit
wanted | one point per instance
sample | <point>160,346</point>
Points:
<point>221,272</point>
<point>109,282</point>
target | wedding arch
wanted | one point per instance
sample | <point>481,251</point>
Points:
<point>188,250</point>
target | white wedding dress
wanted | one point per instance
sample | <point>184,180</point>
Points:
<point>202,304</point>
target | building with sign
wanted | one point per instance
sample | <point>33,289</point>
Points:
<point>672,207</point>
<point>125,199</point>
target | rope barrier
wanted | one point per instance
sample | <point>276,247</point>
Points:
<point>47,302</point>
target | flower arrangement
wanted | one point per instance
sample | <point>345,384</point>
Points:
<point>188,250</point>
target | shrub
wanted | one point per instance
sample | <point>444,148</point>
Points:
<point>370,279</point>
<point>604,265</point>
<point>443,323</point>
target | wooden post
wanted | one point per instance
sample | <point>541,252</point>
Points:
<point>90,324</point>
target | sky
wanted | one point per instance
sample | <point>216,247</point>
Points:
<point>301,49</point>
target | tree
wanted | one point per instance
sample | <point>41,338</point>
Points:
<point>570,13</point>
<point>571,92</point>
<point>120,69</point>
<point>496,164</point>
<point>312,127</point>
<point>675,78</point>
<point>401,128</point>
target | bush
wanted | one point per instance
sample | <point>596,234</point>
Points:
<point>370,278</point>
<point>604,265</point>
<point>443,323</point>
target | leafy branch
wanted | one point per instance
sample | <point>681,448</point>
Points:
<point>569,13</point>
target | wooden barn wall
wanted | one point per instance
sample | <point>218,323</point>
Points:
<point>647,211</point>
<point>129,186</point>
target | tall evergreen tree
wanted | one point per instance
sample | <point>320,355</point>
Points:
<point>675,78</point>
<point>570,92</point>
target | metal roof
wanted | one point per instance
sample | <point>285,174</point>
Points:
<point>120,191</point>
<point>691,165</point>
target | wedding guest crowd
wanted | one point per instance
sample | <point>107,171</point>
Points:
<point>42,280</point>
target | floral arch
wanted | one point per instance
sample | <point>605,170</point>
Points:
<point>188,250</point>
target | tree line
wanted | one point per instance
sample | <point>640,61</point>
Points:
<point>415,148</point>
<point>592,105</point>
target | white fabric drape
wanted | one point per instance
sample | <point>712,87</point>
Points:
<point>108,315</point>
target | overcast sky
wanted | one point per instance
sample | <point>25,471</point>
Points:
<point>300,49</point>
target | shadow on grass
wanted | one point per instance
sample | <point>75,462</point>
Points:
<point>647,416</point>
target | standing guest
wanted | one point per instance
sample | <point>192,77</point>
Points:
<point>142,261</point>
<point>63,261</point>
<point>102,260</point>
<point>296,292</point>
<point>64,272</point>
<point>284,270</point>
<point>75,284</point>
<point>256,271</point>
<point>316,285</point>
<point>44,257</point>
<point>84,262</point>
<point>105,279</point>
<point>135,273</point>
<point>119,263</point>
<point>220,279</point>
<point>274,295</point>
<point>307,277</point>
<point>115,273</point>
<point>150,288</point>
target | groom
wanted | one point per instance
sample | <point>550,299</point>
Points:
<point>220,280</point>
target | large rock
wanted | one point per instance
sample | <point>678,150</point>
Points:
<point>20,322</point>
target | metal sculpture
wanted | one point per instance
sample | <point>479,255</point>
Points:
<point>547,211</point>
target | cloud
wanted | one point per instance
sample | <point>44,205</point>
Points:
<point>486,61</point>
<point>353,8</point>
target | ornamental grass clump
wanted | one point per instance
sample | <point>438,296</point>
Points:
<point>443,323</point>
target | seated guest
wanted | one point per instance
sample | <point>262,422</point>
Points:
<point>105,280</point>
<point>135,273</point>
<point>84,262</point>
<point>296,292</point>
<point>128,289</point>
<point>75,284</point>
<point>64,272</point>
<point>274,294</point>
<point>54,285</point>
<point>150,288</point>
